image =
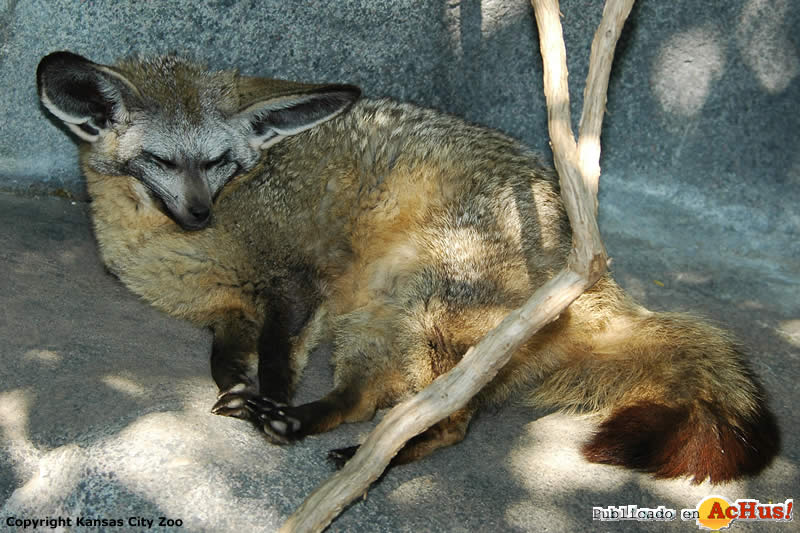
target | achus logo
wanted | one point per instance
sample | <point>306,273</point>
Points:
<point>715,512</point>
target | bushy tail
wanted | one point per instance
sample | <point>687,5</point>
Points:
<point>679,398</point>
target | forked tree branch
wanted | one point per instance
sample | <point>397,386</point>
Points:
<point>579,171</point>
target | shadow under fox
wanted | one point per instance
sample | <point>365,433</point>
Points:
<point>287,216</point>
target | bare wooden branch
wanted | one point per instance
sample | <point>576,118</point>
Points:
<point>578,178</point>
<point>595,93</point>
<point>586,265</point>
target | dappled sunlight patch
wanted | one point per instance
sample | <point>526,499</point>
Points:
<point>15,408</point>
<point>124,385</point>
<point>789,330</point>
<point>46,357</point>
<point>187,472</point>
<point>692,278</point>
<point>497,14</point>
<point>178,462</point>
<point>682,493</point>
<point>765,44</point>
<point>58,474</point>
<point>466,251</point>
<point>549,458</point>
<point>70,256</point>
<point>685,70</point>
<point>415,491</point>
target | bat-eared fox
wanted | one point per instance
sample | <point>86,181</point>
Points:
<point>293,218</point>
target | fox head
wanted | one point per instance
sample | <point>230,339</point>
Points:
<point>182,131</point>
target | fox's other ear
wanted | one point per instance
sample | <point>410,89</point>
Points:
<point>274,109</point>
<point>88,97</point>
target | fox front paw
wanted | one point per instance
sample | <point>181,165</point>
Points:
<point>275,419</point>
<point>233,401</point>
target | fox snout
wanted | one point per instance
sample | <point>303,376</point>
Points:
<point>197,217</point>
<point>191,207</point>
<point>190,215</point>
<point>182,191</point>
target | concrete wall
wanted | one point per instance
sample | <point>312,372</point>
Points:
<point>104,401</point>
<point>703,106</point>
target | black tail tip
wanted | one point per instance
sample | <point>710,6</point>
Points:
<point>670,443</point>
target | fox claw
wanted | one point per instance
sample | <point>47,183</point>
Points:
<point>274,419</point>
<point>232,402</point>
<point>271,417</point>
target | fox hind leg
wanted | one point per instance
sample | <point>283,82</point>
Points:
<point>438,321</point>
<point>448,431</point>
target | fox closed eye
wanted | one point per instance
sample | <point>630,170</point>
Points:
<point>221,160</point>
<point>163,163</point>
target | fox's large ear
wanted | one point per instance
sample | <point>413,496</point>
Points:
<point>274,109</point>
<point>88,97</point>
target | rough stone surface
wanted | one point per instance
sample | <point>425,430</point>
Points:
<point>104,403</point>
<point>104,409</point>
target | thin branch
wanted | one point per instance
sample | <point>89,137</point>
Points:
<point>577,188</point>
<point>481,363</point>
<point>595,95</point>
